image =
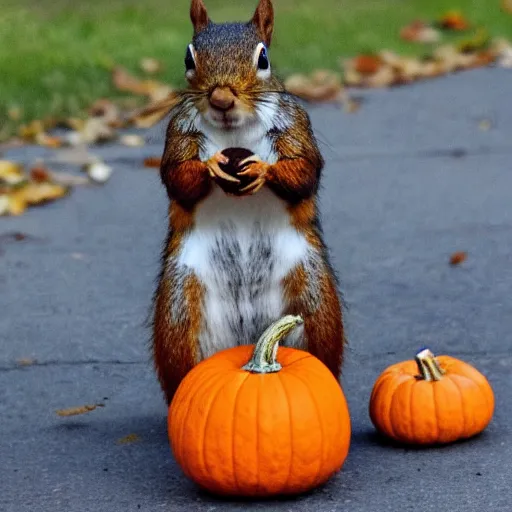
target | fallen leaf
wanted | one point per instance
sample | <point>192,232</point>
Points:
<point>99,172</point>
<point>11,173</point>
<point>75,411</point>
<point>150,65</point>
<point>458,257</point>
<point>478,41</point>
<point>367,64</point>
<point>39,174</point>
<point>30,131</point>
<point>485,125</point>
<point>420,32</point>
<point>4,205</point>
<point>48,141</point>
<point>26,361</point>
<point>129,439</point>
<point>384,77</point>
<point>96,130</point>
<point>126,82</point>
<point>321,85</point>
<point>108,112</point>
<point>34,194</point>
<point>153,161</point>
<point>132,140</point>
<point>506,5</point>
<point>454,20</point>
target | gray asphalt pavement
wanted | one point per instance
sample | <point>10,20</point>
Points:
<point>410,178</point>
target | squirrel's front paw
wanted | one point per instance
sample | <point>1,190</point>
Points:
<point>255,168</point>
<point>214,169</point>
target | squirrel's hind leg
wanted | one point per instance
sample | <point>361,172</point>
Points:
<point>316,299</point>
<point>176,326</point>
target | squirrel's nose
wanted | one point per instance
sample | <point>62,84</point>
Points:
<point>222,98</point>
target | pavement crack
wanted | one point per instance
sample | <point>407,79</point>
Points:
<point>455,152</point>
<point>85,362</point>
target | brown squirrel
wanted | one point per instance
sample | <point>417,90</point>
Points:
<point>234,263</point>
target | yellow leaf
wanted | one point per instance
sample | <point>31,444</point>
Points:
<point>75,411</point>
<point>11,173</point>
<point>129,439</point>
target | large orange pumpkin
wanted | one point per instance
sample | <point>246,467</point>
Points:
<point>273,425</point>
<point>431,400</point>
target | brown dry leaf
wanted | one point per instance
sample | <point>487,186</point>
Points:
<point>420,32</point>
<point>129,439</point>
<point>26,361</point>
<point>125,81</point>
<point>506,5</point>
<point>96,130</point>
<point>458,257</point>
<point>454,20</point>
<point>48,141</point>
<point>106,110</point>
<point>384,77</point>
<point>150,65</point>
<point>153,161</point>
<point>75,411</point>
<point>39,173</point>
<point>367,64</point>
<point>322,85</point>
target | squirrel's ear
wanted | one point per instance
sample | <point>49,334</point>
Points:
<point>198,15</point>
<point>264,20</point>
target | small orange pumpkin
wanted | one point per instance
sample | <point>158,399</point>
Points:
<point>261,429</point>
<point>431,400</point>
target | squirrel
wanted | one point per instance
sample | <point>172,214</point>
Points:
<point>235,262</point>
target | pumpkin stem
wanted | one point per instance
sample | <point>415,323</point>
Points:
<point>428,366</point>
<point>264,357</point>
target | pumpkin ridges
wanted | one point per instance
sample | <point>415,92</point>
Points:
<point>215,445</point>
<point>245,428</point>
<point>397,410</point>
<point>178,422</point>
<point>290,418</point>
<point>448,419</point>
<point>380,413</point>
<point>235,404</point>
<point>197,440</point>
<point>424,413</point>
<point>319,415</point>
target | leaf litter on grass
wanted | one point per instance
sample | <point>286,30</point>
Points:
<point>105,117</point>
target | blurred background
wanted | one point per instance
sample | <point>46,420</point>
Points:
<point>56,55</point>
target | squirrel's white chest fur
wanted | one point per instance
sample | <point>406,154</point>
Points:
<point>241,249</point>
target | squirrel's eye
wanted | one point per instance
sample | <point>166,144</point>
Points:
<point>190,63</point>
<point>263,59</point>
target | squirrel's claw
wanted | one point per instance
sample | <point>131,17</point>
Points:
<point>254,186</point>
<point>214,169</point>
<point>256,169</point>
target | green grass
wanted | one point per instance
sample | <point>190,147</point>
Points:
<point>55,54</point>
